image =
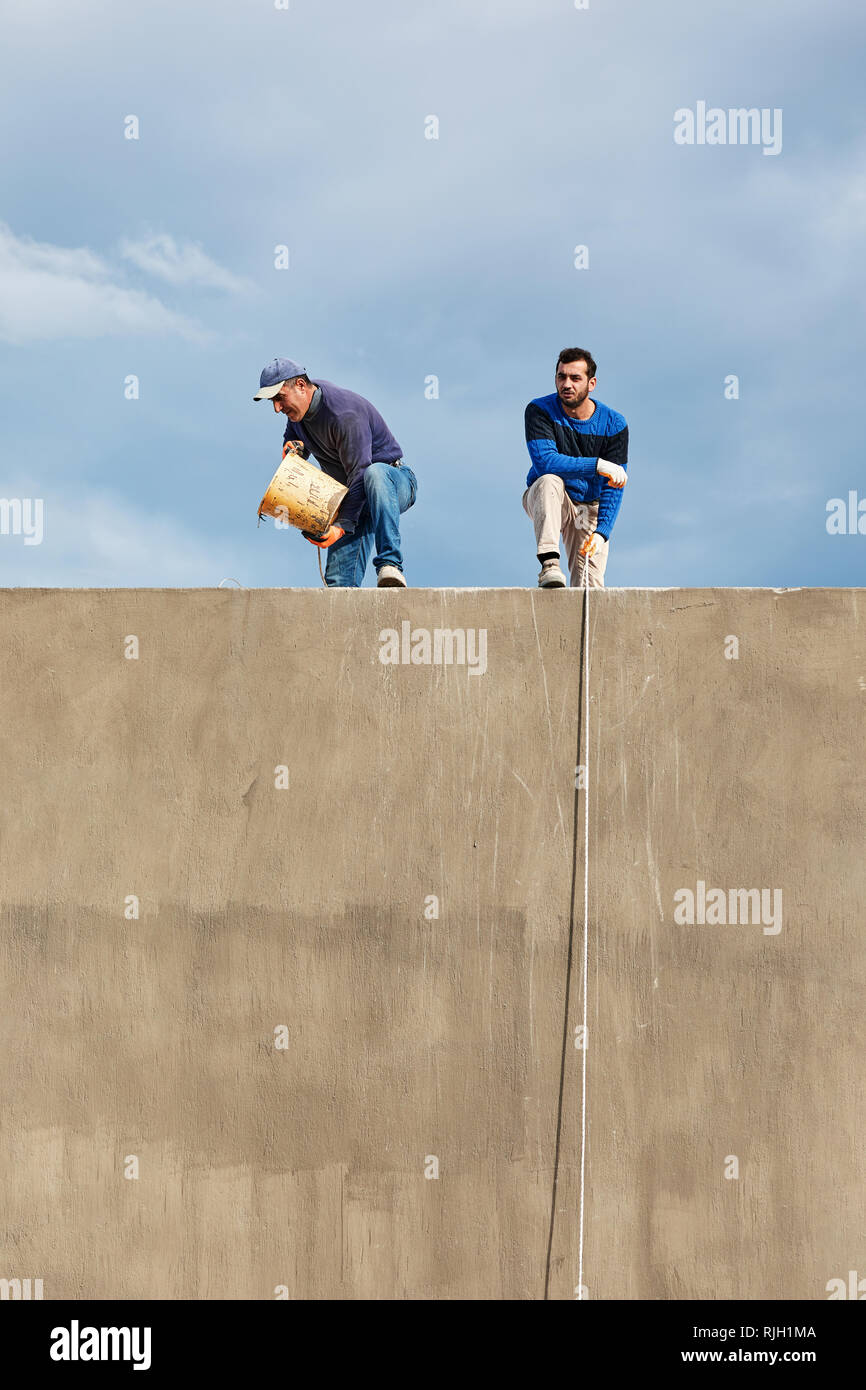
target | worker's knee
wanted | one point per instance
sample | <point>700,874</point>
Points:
<point>547,483</point>
<point>376,478</point>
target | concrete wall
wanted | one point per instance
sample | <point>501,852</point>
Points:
<point>408,1035</point>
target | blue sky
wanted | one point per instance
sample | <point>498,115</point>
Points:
<point>411,257</point>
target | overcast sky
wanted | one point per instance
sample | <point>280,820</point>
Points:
<point>411,257</point>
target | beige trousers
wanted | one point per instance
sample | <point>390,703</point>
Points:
<point>552,511</point>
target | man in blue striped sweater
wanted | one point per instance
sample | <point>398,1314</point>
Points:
<point>579,453</point>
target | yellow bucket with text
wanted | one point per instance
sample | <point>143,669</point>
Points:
<point>303,496</point>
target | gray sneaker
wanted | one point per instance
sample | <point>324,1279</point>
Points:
<point>551,576</point>
<point>391,578</point>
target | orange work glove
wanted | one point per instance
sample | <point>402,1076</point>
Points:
<point>332,534</point>
<point>592,545</point>
<point>292,446</point>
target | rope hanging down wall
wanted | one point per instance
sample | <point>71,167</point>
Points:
<point>582,741</point>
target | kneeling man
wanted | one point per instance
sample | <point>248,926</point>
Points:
<point>579,453</point>
<point>351,443</point>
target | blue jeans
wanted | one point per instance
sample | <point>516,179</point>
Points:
<point>389,491</point>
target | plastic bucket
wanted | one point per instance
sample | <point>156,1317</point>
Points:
<point>302,496</point>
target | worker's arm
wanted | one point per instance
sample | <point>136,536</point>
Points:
<point>353,440</point>
<point>615,450</point>
<point>541,443</point>
<point>293,445</point>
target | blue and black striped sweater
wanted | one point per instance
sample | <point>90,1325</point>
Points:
<point>571,449</point>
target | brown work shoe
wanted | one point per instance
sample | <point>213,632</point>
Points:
<point>551,576</point>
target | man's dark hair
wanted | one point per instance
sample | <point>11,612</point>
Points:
<point>579,355</point>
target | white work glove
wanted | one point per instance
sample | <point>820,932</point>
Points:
<point>613,471</point>
<point>592,545</point>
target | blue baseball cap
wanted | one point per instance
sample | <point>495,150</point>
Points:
<point>274,374</point>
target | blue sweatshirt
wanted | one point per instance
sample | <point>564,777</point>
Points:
<point>345,434</point>
<point>571,449</point>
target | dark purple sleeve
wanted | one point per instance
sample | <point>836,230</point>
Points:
<point>353,439</point>
<point>291,432</point>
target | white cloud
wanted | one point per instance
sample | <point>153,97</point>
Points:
<point>184,264</point>
<point>49,292</point>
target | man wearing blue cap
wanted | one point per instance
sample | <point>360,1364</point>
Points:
<point>352,444</point>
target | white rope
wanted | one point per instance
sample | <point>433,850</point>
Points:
<point>585,915</point>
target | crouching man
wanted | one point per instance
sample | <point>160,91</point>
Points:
<point>579,453</point>
<point>352,444</point>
